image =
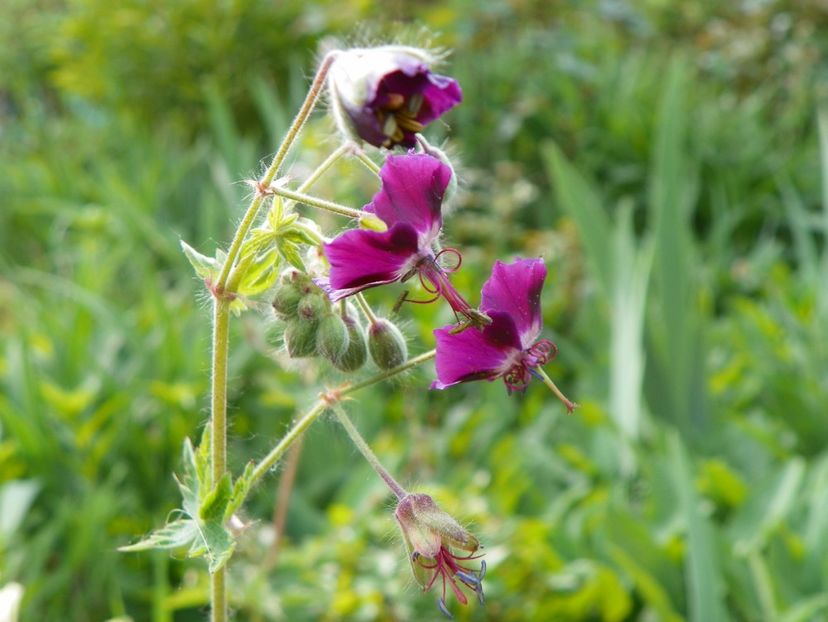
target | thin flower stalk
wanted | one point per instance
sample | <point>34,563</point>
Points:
<point>319,408</point>
<point>366,451</point>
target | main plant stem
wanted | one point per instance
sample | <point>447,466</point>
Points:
<point>218,434</point>
<point>221,321</point>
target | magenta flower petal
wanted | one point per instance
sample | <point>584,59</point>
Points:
<point>360,259</point>
<point>476,355</point>
<point>515,288</point>
<point>441,95</point>
<point>412,192</point>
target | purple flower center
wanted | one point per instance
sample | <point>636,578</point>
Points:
<point>397,116</point>
<point>519,375</point>
<point>450,568</point>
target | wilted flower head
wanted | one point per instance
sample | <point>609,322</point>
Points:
<point>386,95</point>
<point>507,348</point>
<point>409,202</point>
<point>438,547</point>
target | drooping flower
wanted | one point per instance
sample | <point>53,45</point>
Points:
<point>409,202</point>
<point>439,548</point>
<point>386,95</point>
<point>508,347</point>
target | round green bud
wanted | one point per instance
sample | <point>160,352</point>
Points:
<point>300,338</point>
<point>285,301</point>
<point>332,337</point>
<point>354,357</point>
<point>386,344</point>
<point>312,307</point>
<point>299,281</point>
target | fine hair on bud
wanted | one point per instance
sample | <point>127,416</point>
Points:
<point>286,299</point>
<point>300,338</point>
<point>357,351</point>
<point>386,344</point>
<point>312,308</point>
<point>332,338</point>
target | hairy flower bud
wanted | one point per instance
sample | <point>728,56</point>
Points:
<point>357,351</point>
<point>300,338</point>
<point>299,281</point>
<point>312,308</point>
<point>386,95</point>
<point>386,344</point>
<point>439,547</point>
<point>332,337</point>
<point>286,299</point>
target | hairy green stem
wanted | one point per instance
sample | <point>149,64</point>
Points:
<point>409,364</point>
<point>321,406</point>
<point>328,206</point>
<point>221,321</point>
<point>273,169</point>
<point>218,434</point>
<point>367,452</point>
<point>366,308</point>
<point>324,166</point>
<point>360,155</point>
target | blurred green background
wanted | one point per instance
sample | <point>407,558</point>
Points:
<point>668,161</point>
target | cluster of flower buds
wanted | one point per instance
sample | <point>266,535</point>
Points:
<point>315,326</point>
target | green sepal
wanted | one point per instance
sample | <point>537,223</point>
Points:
<point>205,267</point>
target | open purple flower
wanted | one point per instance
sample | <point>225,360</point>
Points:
<point>386,95</point>
<point>507,348</point>
<point>409,202</point>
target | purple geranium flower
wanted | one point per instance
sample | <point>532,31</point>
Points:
<point>409,202</point>
<point>507,348</point>
<point>386,95</point>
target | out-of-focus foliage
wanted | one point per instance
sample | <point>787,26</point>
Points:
<point>663,157</point>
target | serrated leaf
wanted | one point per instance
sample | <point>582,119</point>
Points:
<point>290,252</point>
<point>261,274</point>
<point>202,467</point>
<point>261,284</point>
<point>240,489</point>
<point>274,214</point>
<point>298,236</point>
<point>219,542</point>
<point>171,536</point>
<point>205,267</point>
<point>215,502</point>
<point>198,549</point>
<point>287,221</point>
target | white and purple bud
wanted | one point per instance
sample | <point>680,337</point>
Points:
<point>386,95</point>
